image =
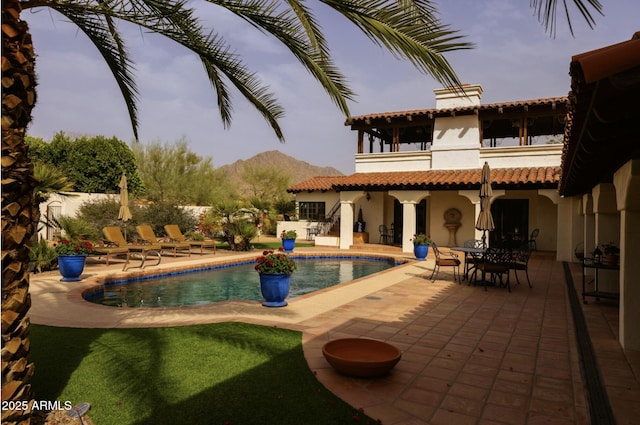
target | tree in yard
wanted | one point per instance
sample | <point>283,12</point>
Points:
<point>408,28</point>
<point>175,174</point>
<point>266,182</point>
<point>94,164</point>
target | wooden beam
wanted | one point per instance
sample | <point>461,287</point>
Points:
<point>396,140</point>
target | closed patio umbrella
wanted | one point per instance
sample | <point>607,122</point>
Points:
<point>485,219</point>
<point>124,213</point>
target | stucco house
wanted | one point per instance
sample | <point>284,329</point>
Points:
<point>419,171</point>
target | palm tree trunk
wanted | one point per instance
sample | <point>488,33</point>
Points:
<point>18,212</point>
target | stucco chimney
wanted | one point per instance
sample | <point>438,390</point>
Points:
<point>449,98</point>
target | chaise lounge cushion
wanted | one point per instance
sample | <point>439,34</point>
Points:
<point>175,234</point>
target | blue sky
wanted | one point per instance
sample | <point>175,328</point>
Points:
<point>513,59</point>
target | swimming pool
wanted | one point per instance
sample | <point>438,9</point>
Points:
<point>238,281</point>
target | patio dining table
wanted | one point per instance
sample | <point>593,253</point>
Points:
<point>475,252</point>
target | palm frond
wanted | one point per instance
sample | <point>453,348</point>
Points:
<point>102,32</point>
<point>297,29</point>
<point>546,11</point>
<point>409,30</point>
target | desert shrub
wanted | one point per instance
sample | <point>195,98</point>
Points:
<point>285,206</point>
<point>78,228</point>
<point>243,232</point>
<point>42,257</point>
<point>208,225</point>
<point>104,212</point>
<point>269,225</point>
<point>158,214</point>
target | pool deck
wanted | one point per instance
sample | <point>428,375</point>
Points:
<point>470,356</point>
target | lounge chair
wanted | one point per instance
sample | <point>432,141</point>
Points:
<point>108,250</point>
<point>148,235</point>
<point>175,234</point>
<point>114,236</point>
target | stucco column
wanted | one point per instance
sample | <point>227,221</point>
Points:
<point>409,199</point>
<point>629,288</point>
<point>474,197</point>
<point>589,231</point>
<point>346,224</point>
<point>565,241</point>
<point>627,185</point>
<point>408,225</point>
<point>347,201</point>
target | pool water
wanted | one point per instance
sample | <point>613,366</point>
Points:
<point>236,282</point>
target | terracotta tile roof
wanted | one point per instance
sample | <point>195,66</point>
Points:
<point>415,113</point>
<point>321,183</point>
<point>601,130</point>
<point>511,178</point>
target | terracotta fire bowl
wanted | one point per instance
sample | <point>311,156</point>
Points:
<point>361,357</point>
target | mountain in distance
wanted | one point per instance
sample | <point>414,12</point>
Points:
<point>296,169</point>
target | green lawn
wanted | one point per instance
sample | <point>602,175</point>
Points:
<point>223,373</point>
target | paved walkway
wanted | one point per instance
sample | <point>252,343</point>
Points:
<point>470,356</point>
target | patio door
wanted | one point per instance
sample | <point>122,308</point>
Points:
<point>421,220</point>
<point>511,218</point>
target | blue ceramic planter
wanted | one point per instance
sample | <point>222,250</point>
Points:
<point>274,288</point>
<point>71,267</point>
<point>421,252</point>
<point>288,244</point>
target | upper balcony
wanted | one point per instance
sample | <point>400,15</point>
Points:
<point>511,134</point>
<point>547,155</point>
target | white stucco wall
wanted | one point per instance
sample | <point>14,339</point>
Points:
<point>69,206</point>
<point>392,161</point>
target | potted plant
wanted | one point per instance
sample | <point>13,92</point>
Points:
<point>72,255</point>
<point>421,244</point>
<point>275,269</point>
<point>610,254</point>
<point>288,240</point>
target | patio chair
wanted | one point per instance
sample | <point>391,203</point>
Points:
<point>532,239</point>
<point>385,235</point>
<point>471,259</point>
<point>175,234</point>
<point>148,235</point>
<point>313,231</point>
<point>495,262</point>
<point>520,261</point>
<point>446,259</point>
<point>114,236</point>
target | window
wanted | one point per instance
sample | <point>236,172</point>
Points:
<point>313,211</point>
